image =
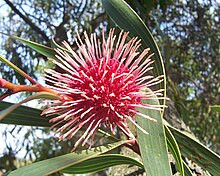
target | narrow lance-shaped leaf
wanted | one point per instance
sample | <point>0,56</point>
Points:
<point>56,164</point>
<point>42,49</point>
<point>197,152</point>
<point>174,149</point>
<point>187,170</point>
<point>153,145</point>
<point>101,162</point>
<point>5,112</point>
<point>215,108</point>
<point>14,67</point>
<point>24,115</point>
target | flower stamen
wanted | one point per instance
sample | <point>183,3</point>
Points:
<point>102,84</point>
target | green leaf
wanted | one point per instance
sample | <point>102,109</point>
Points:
<point>54,44</point>
<point>44,50</point>
<point>55,164</point>
<point>197,152</point>
<point>153,145</point>
<point>126,18</point>
<point>38,95</point>
<point>101,162</point>
<point>14,67</point>
<point>24,115</point>
<point>174,149</point>
<point>187,170</point>
<point>215,108</point>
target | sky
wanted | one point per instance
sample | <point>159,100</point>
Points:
<point>14,138</point>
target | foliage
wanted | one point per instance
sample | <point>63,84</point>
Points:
<point>187,34</point>
<point>193,27</point>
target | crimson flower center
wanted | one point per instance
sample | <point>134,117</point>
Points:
<point>108,88</point>
<point>103,83</point>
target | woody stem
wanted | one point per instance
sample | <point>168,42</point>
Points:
<point>14,88</point>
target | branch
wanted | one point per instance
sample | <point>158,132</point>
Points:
<point>27,20</point>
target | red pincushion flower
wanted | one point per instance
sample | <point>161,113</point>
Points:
<point>102,84</point>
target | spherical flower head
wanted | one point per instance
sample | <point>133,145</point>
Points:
<point>101,84</point>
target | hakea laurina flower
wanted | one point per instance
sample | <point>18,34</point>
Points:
<point>101,85</point>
